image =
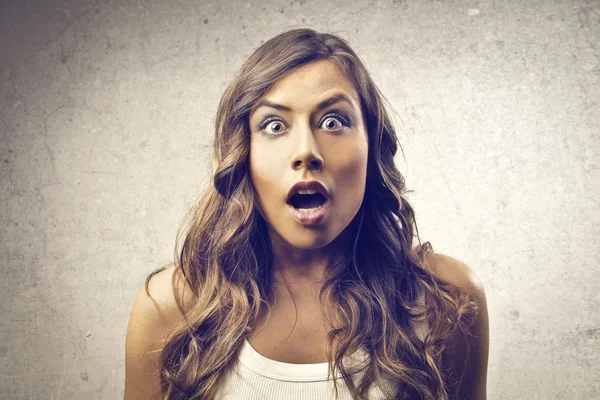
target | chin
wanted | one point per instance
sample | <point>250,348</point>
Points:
<point>309,244</point>
<point>302,238</point>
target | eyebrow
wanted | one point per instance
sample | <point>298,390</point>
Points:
<point>324,104</point>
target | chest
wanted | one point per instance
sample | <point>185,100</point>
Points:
<point>296,335</point>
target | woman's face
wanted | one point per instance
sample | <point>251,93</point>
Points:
<point>304,142</point>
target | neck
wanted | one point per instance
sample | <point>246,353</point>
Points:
<point>302,267</point>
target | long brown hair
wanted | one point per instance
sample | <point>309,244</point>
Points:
<point>226,255</point>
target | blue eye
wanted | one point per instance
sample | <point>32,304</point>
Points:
<point>343,120</point>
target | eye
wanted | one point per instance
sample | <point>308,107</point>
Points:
<point>332,118</point>
<point>277,126</point>
<point>334,121</point>
<point>331,122</point>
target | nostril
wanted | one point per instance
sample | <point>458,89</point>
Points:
<point>314,164</point>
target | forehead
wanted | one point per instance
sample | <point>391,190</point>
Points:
<point>309,83</point>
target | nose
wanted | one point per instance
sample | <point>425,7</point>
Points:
<point>306,150</point>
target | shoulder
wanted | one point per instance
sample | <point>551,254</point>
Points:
<point>154,317</point>
<point>456,273</point>
<point>157,303</point>
<point>465,360</point>
<point>463,277</point>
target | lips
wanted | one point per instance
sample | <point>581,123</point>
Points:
<point>313,185</point>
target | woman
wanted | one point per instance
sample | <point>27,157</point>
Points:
<point>298,264</point>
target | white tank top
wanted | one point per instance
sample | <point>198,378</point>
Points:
<point>255,377</point>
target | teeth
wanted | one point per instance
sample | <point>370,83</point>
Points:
<point>306,191</point>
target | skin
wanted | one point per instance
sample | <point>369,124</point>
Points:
<point>153,318</point>
<point>467,378</point>
<point>311,144</point>
<point>310,147</point>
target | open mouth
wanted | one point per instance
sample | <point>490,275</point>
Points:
<point>307,203</point>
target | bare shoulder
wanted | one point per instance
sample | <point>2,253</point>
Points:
<point>465,362</point>
<point>158,302</point>
<point>154,317</point>
<point>456,273</point>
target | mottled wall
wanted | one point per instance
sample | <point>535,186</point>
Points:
<point>107,111</point>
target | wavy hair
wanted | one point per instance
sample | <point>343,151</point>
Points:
<point>226,256</point>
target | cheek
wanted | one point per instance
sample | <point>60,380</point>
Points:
<point>351,165</point>
<point>355,175</point>
<point>263,171</point>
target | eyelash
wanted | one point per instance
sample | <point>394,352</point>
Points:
<point>344,119</point>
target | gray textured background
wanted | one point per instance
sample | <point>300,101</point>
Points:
<point>107,113</point>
